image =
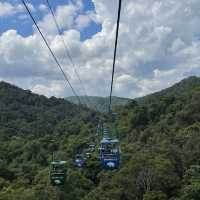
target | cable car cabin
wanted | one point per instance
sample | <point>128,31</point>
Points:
<point>90,150</point>
<point>88,154</point>
<point>58,173</point>
<point>109,153</point>
<point>114,117</point>
<point>79,160</point>
<point>106,133</point>
<point>92,147</point>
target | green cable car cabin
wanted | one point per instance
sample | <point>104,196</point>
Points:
<point>58,173</point>
<point>90,150</point>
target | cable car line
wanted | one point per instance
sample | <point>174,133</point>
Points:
<point>52,53</point>
<point>109,148</point>
<point>68,52</point>
<point>114,57</point>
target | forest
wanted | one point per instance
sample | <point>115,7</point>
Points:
<point>159,140</point>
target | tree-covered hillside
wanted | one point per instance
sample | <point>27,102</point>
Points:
<point>31,128</point>
<point>160,147</point>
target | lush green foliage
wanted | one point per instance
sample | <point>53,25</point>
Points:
<point>160,145</point>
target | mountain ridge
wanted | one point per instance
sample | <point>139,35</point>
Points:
<point>100,103</point>
<point>159,141</point>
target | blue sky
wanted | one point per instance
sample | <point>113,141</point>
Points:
<point>24,28</point>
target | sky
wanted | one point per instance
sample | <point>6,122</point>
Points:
<point>158,45</point>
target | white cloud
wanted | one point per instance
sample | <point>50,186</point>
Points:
<point>177,45</point>
<point>30,6</point>
<point>8,9</point>
<point>55,88</point>
<point>43,8</point>
<point>82,21</point>
<point>65,16</point>
<point>158,46</point>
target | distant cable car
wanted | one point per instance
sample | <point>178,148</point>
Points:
<point>58,173</point>
<point>91,147</point>
<point>90,150</point>
<point>109,153</point>
<point>114,117</point>
<point>106,133</point>
<point>79,161</point>
<point>88,154</point>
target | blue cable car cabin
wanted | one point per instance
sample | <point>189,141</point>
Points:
<point>79,161</point>
<point>109,153</point>
<point>58,173</point>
